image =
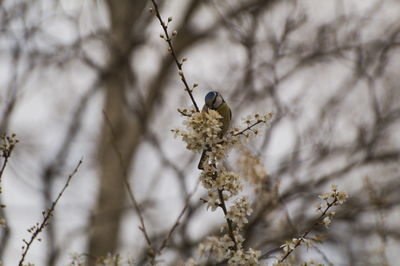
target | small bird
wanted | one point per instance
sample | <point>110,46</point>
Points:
<point>214,101</point>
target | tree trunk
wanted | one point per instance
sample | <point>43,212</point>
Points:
<point>124,134</point>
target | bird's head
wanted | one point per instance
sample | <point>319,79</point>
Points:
<point>213,100</point>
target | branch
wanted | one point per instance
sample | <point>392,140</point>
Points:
<point>228,221</point>
<point>317,222</point>
<point>7,146</point>
<point>36,229</point>
<point>142,226</point>
<point>248,128</point>
<point>257,121</point>
<point>171,49</point>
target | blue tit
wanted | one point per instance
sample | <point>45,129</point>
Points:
<point>214,101</point>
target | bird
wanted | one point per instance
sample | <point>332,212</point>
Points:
<point>214,101</point>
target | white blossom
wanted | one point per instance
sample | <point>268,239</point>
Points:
<point>202,133</point>
<point>239,211</point>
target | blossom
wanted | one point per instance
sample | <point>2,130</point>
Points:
<point>202,129</point>
<point>326,221</point>
<point>241,257</point>
<point>213,200</point>
<point>341,197</point>
<point>229,182</point>
<point>330,199</point>
<point>252,168</point>
<point>239,211</point>
<point>202,133</point>
<point>334,197</point>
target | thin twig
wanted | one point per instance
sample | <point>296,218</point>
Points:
<point>317,222</point>
<point>324,257</point>
<point>249,127</point>
<point>7,146</point>
<point>36,229</point>
<point>3,166</point>
<point>173,54</point>
<point>142,226</point>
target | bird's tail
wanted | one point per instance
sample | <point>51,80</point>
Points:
<point>203,159</point>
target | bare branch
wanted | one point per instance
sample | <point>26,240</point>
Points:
<point>38,228</point>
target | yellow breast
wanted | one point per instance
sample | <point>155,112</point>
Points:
<point>226,114</point>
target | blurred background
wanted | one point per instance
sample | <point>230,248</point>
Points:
<point>329,70</point>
